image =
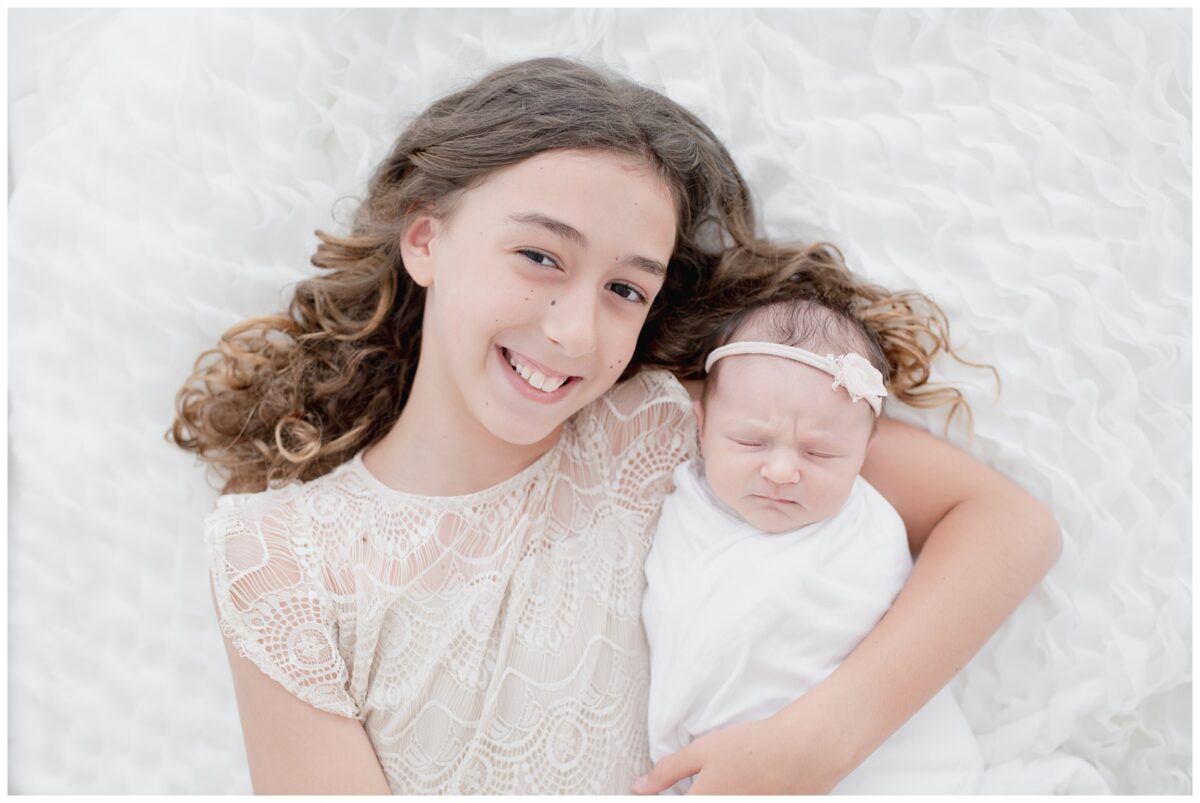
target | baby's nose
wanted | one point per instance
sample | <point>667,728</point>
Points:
<point>781,469</point>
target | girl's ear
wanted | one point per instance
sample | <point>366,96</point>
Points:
<point>416,248</point>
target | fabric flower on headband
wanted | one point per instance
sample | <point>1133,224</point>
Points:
<point>860,379</point>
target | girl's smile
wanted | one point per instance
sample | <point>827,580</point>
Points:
<point>534,380</point>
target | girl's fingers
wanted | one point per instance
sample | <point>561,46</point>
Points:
<point>669,771</point>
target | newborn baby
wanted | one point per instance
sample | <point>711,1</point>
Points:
<point>773,558</point>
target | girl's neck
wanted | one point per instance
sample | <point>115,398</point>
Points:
<point>439,449</point>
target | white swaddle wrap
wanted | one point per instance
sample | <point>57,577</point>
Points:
<point>741,623</point>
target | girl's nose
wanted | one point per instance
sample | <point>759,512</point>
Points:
<point>781,467</point>
<point>570,322</point>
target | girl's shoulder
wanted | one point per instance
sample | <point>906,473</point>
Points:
<point>290,508</point>
<point>646,390</point>
<point>256,502</point>
<point>651,402</point>
<point>640,430</point>
<point>339,480</point>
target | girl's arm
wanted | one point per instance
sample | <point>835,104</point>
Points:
<point>295,749</point>
<point>982,545</point>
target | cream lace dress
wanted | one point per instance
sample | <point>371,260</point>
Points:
<point>489,643</point>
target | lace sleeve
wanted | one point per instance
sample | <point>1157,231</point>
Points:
<point>271,601</point>
<point>651,429</point>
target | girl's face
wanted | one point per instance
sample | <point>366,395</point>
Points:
<point>780,446</point>
<point>539,280</point>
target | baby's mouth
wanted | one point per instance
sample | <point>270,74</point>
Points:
<point>777,500</point>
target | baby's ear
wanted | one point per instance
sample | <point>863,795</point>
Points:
<point>416,248</point>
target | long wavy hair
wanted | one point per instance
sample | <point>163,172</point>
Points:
<point>290,396</point>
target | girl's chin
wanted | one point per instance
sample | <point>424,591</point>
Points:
<point>529,439</point>
<point>522,422</point>
<point>520,431</point>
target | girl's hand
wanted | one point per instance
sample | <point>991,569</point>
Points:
<point>790,753</point>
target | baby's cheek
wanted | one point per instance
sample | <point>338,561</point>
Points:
<point>724,477</point>
<point>837,493</point>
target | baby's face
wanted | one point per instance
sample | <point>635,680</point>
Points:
<point>780,446</point>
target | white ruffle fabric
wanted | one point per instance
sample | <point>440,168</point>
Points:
<point>741,623</point>
<point>1030,169</point>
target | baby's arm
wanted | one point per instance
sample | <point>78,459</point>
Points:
<point>983,544</point>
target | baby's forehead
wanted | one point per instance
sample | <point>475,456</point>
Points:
<point>764,381</point>
<point>748,406</point>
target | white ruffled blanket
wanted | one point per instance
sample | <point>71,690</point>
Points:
<point>1029,169</point>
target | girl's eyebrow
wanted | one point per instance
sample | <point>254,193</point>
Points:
<point>564,230</point>
<point>569,232</point>
<point>651,266</point>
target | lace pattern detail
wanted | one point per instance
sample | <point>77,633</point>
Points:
<point>490,643</point>
<point>270,598</point>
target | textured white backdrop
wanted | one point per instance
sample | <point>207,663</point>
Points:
<point>1029,169</point>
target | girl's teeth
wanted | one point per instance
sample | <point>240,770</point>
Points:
<point>536,379</point>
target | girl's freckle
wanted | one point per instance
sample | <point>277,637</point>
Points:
<point>553,302</point>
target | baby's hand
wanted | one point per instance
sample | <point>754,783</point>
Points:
<point>781,755</point>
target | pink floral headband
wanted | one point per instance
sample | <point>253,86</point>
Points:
<point>851,371</point>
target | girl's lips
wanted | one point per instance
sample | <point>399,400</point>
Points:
<point>534,364</point>
<point>528,391</point>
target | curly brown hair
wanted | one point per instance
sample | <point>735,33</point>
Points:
<point>290,396</point>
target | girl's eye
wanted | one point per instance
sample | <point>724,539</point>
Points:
<point>822,456</point>
<point>753,444</point>
<point>628,292</point>
<point>538,257</point>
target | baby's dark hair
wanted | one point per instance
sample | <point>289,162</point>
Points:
<point>806,323</point>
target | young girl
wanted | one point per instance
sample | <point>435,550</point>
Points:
<point>773,558</point>
<point>443,466</point>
